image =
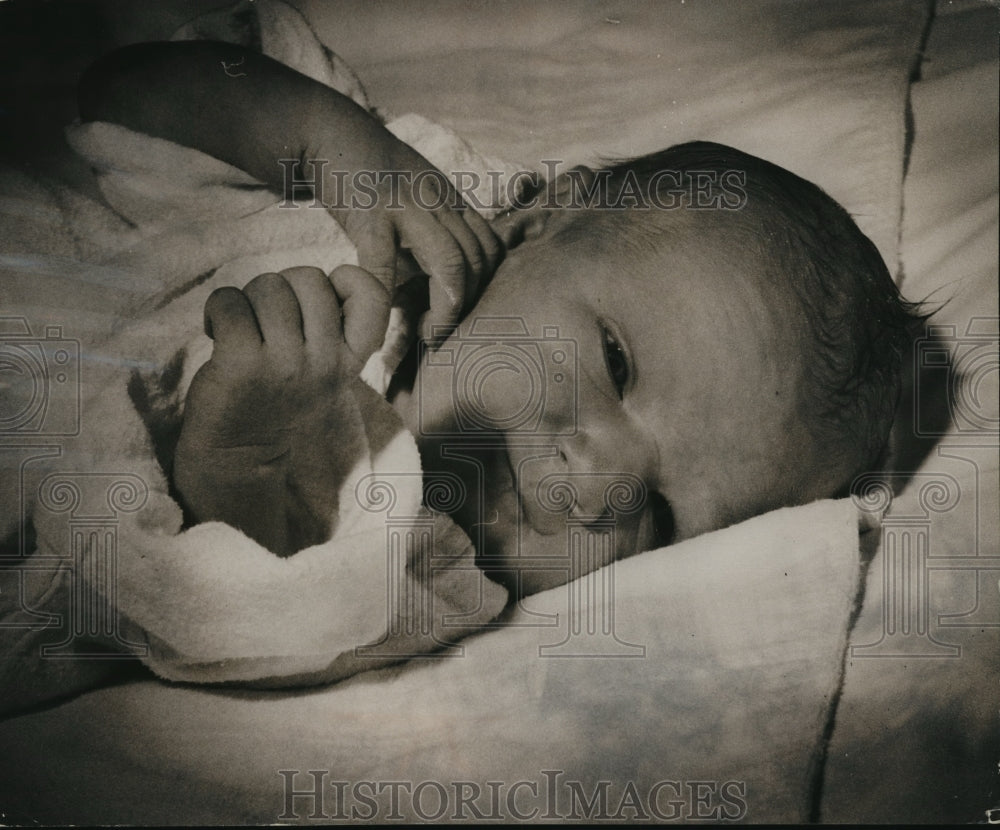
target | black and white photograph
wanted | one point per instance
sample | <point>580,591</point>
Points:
<point>499,412</point>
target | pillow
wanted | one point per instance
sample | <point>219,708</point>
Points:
<point>817,88</point>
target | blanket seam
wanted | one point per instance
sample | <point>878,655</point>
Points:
<point>816,778</point>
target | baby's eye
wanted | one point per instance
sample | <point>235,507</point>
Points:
<point>617,362</point>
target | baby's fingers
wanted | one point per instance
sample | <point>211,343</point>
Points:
<point>278,314</point>
<point>366,305</point>
<point>441,257</point>
<point>441,317</point>
<point>322,327</point>
<point>231,323</point>
<point>491,246</point>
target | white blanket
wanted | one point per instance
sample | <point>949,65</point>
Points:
<point>208,604</point>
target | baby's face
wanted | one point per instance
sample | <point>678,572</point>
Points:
<point>609,401</point>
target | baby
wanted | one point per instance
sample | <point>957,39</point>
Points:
<point>666,346</point>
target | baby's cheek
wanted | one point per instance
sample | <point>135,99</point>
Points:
<point>500,387</point>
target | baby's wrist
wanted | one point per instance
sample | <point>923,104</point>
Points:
<point>381,176</point>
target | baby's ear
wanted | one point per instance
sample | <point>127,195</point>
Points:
<point>569,185</point>
<point>517,225</point>
<point>534,212</point>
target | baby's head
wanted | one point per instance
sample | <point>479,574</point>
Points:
<point>711,339</point>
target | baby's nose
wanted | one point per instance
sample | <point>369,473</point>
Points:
<point>593,479</point>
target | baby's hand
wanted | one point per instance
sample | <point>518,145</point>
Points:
<point>263,442</point>
<point>415,208</point>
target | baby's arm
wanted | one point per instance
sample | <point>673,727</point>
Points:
<point>253,112</point>
<point>264,444</point>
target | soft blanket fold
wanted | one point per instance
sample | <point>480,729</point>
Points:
<point>207,604</point>
<point>724,665</point>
